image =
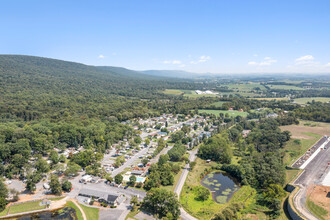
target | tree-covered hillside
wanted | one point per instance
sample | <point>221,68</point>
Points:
<point>34,87</point>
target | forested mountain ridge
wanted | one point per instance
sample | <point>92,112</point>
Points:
<point>35,87</point>
<point>50,74</point>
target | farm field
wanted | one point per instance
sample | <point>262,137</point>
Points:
<point>285,87</point>
<point>217,112</point>
<point>246,86</point>
<point>310,99</point>
<point>270,99</point>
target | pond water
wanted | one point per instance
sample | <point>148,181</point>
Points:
<point>66,213</point>
<point>221,185</point>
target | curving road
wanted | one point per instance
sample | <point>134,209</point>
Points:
<point>192,157</point>
<point>312,174</point>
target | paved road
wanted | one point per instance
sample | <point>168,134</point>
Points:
<point>192,157</point>
<point>129,162</point>
<point>312,174</point>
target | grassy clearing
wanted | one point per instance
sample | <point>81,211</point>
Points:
<point>293,149</point>
<point>91,213</point>
<point>78,212</point>
<point>317,99</point>
<point>173,92</point>
<point>318,211</point>
<point>217,112</point>
<point>26,207</point>
<point>217,104</point>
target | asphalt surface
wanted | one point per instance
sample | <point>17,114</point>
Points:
<point>192,157</point>
<point>312,174</point>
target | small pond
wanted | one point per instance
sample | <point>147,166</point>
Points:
<point>66,213</point>
<point>221,185</point>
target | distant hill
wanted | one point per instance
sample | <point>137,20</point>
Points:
<point>171,73</point>
<point>38,75</point>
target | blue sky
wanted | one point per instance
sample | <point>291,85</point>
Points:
<point>215,36</point>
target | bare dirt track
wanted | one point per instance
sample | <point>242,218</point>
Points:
<point>299,131</point>
<point>318,194</point>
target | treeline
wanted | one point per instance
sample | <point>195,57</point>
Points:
<point>315,111</point>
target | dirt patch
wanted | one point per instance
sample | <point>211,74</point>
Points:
<point>252,217</point>
<point>318,194</point>
<point>299,131</point>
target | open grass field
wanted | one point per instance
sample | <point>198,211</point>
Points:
<point>26,207</point>
<point>310,99</point>
<point>217,112</point>
<point>173,92</point>
<point>78,212</point>
<point>187,93</point>
<point>245,87</point>
<point>285,87</point>
<point>218,104</point>
<point>305,128</point>
<point>91,213</point>
<point>304,136</point>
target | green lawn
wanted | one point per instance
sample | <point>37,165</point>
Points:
<point>26,207</point>
<point>318,211</point>
<point>317,99</point>
<point>78,212</point>
<point>217,112</point>
<point>91,213</point>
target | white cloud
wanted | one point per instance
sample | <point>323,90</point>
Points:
<point>267,62</point>
<point>174,62</point>
<point>327,65</point>
<point>255,55</point>
<point>201,59</point>
<point>101,56</point>
<point>252,63</point>
<point>307,60</point>
<point>304,58</point>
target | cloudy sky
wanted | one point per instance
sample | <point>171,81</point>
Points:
<point>217,36</point>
